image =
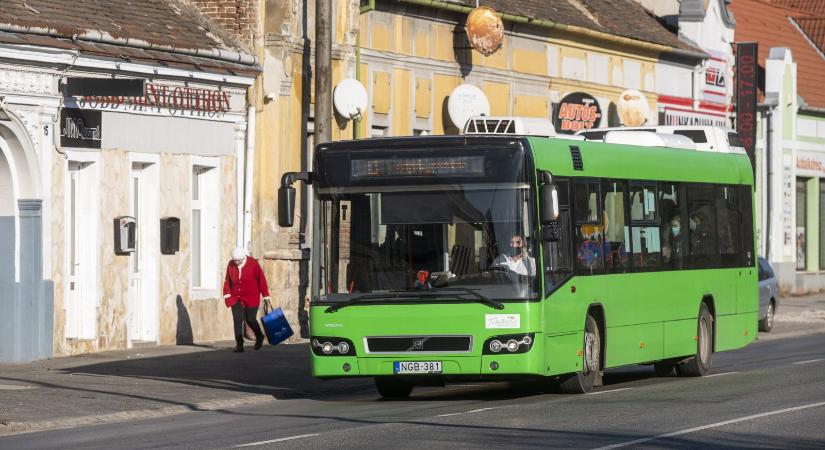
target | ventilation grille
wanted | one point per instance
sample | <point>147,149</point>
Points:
<point>490,126</point>
<point>426,344</point>
<point>576,154</point>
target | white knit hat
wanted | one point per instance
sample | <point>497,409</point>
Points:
<point>238,253</point>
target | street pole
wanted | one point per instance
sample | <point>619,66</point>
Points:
<point>323,71</point>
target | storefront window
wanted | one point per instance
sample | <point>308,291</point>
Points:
<point>801,220</point>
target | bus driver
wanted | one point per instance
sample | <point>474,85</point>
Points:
<point>517,261</point>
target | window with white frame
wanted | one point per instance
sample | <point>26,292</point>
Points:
<point>204,239</point>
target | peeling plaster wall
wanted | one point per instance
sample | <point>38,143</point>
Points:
<point>58,252</point>
<point>183,320</point>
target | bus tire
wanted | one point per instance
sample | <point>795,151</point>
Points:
<point>699,364</point>
<point>582,382</point>
<point>393,388</point>
<point>766,324</point>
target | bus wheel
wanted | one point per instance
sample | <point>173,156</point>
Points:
<point>699,364</point>
<point>582,382</point>
<point>390,387</point>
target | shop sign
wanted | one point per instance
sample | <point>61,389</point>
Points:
<point>746,59</point>
<point>679,117</point>
<point>716,79</point>
<point>577,111</point>
<point>174,100</point>
<point>810,164</point>
<point>79,128</point>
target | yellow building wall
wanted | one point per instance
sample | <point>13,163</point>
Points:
<point>422,42</point>
<point>442,86</point>
<point>531,106</point>
<point>380,36</point>
<point>402,34</point>
<point>499,96</point>
<point>530,61</point>
<point>443,35</point>
<point>401,125</point>
<point>380,92</point>
<point>423,98</point>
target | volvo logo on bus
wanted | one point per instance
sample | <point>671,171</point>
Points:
<point>418,344</point>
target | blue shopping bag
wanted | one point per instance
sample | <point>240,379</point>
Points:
<point>276,327</point>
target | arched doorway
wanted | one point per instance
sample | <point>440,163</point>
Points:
<point>26,300</point>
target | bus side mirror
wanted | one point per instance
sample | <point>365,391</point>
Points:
<point>549,203</point>
<point>286,196</point>
<point>286,206</point>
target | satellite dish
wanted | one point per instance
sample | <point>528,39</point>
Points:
<point>467,101</point>
<point>350,98</point>
<point>632,108</point>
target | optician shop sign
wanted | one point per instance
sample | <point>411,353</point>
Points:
<point>172,100</point>
<point>577,111</point>
<point>79,128</point>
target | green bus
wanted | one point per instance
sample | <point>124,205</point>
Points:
<point>481,257</point>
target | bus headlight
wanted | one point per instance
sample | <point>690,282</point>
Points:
<point>331,346</point>
<point>509,343</point>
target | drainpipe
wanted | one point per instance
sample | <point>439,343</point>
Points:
<point>769,167</point>
<point>247,185</point>
<point>581,31</point>
<point>356,123</point>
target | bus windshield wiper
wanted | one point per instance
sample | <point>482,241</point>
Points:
<point>360,298</point>
<point>481,298</point>
<point>428,293</point>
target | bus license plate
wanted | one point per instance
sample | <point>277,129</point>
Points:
<point>416,367</point>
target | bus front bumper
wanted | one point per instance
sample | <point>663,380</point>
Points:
<point>486,365</point>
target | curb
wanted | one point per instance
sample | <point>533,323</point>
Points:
<point>12,428</point>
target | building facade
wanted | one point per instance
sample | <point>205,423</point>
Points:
<point>790,147</point>
<point>79,172</point>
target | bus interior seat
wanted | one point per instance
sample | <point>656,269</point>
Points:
<point>460,259</point>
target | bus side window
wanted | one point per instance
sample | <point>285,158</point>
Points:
<point>616,232</point>
<point>674,247</point>
<point>702,227</point>
<point>728,224</point>
<point>644,230</point>
<point>589,228</point>
<point>745,209</point>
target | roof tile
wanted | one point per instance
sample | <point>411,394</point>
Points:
<point>771,26</point>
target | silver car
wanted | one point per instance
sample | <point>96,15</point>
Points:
<point>768,295</point>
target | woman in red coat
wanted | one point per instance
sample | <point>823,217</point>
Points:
<point>242,290</point>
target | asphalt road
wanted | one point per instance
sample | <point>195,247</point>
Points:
<point>770,394</point>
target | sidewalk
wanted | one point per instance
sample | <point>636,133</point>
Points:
<point>168,380</point>
<point>155,382</point>
<point>796,316</point>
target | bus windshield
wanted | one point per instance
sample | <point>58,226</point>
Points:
<point>471,238</point>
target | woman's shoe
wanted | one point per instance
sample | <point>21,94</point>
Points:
<point>259,342</point>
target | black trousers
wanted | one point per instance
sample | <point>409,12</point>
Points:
<point>241,314</point>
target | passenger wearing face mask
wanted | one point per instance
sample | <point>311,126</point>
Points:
<point>672,247</point>
<point>516,260</point>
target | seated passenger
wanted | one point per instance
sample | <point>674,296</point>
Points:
<point>672,251</point>
<point>517,260</point>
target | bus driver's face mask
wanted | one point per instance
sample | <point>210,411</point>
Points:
<point>515,246</point>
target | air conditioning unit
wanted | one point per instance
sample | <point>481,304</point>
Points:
<point>509,126</point>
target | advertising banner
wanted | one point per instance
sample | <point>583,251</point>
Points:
<point>746,84</point>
